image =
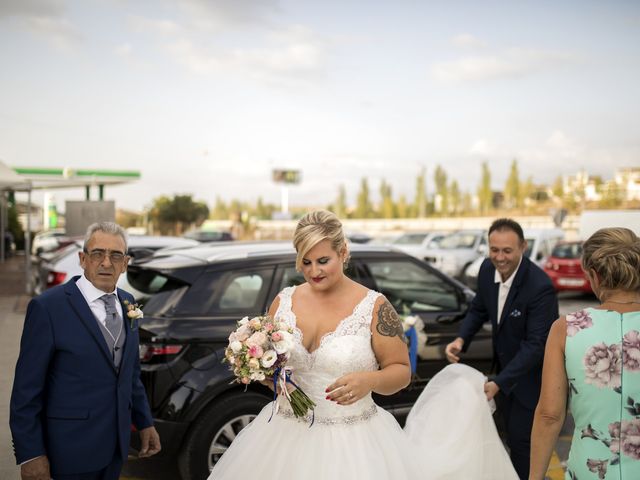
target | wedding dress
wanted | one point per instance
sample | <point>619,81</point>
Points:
<point>449,433</point>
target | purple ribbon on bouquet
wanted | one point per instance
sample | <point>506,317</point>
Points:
<point>412,336</point>
<point>287,379</point>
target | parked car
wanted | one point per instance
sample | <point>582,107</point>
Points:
<point>540,243</point>
<point>64,264</point>
<point>49,241</point>
<point>198,295</point>
<point>457,251</point>
<point>564,267</point>
<point>418,244</point>
<point>209,236</point>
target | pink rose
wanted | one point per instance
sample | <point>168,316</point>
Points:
<point>243,333</point>
<point>603,365</point>
<point>256,351</point>
<point>268,327</point>
<point>276,336</point>
<point>257,338</point>
<point>245,380</point>
<point>631,350</point>
<point>630,437</point>
<point>577,321</point>
<point>614,432</point>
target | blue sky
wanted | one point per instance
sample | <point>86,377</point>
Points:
<point>207,97</point>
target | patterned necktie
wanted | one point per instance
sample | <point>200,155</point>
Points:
<point>113,321</point>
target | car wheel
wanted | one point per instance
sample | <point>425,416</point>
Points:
<point>214,430</point>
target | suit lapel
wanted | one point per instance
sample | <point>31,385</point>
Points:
<point>84,313</point>
<point>513,291</point>
<point>127,327</point>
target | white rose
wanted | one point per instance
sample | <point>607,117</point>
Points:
<point>259,376</point>
<point>235,346</point>
<point>243,321</point>
<point>409,321</point>
<point>269,358</point>
<point>285,344</point>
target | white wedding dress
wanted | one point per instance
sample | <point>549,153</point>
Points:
<point>449,433</point>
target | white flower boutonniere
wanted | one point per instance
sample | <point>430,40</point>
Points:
<point>133,312</point>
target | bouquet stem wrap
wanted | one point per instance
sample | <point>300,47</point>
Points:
<point>299,401</point>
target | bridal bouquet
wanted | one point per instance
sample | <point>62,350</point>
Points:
<point>259,349</point>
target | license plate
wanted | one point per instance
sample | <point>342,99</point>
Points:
<point>571,282</point>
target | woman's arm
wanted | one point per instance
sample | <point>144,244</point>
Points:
<point>392,354</point>
<point>552,405</point>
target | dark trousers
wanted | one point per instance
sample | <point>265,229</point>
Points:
<point>516,421</point>
<point>110,472</point>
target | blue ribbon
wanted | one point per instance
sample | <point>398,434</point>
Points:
<point>287,379</point>
<point>412,336</point>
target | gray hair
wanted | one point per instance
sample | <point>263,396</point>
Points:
<point>106,227</point>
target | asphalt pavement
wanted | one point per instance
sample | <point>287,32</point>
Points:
<point>13,303</point>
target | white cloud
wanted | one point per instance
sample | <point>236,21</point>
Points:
<point>44,18</point>
<point>466,40</point>
<point>153,26</point>
<point>31,8</point>
<point>481,147</point>
<point>514,62</point>
<point>223,14</point>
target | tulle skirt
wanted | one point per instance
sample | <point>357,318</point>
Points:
<point>449,435</point>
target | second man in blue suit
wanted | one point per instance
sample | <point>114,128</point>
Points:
<point>517,297</point>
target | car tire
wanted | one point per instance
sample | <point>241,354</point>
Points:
<point>220,422</point>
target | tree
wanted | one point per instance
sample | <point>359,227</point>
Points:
<point>442,190</point>
<point>220,210</point>
<point>340,208</point>
<point>455,197</point>
<point>558,187</point>
<point>363,204</point>
<point>512,189</point>
<point>420,204</point>
<point>386,201</point>
<point>485,194</point>
<point>174,215</point>
<point>401,208</point>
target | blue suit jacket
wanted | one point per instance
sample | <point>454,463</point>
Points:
<point>519,339</point>
<point>68,400</point>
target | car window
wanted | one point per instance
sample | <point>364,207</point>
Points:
<point>459,240</point>
<point>409,286</point>
<point>410,239</point>
<point>291,277</point>
<point>241,291</point>
<point>567,250</point>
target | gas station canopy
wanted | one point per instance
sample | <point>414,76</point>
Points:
<point>50,178</point>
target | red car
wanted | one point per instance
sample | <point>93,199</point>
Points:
<point>564,267</point>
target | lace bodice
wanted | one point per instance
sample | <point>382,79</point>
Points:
<point>346,349</point>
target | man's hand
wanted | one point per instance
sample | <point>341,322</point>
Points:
<point>491,389</point>
<point>453,350</point>
<point>150,442</point>
<point>36,469</point>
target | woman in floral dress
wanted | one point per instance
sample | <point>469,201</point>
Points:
<point>592,358</point>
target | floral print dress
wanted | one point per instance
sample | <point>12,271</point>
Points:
<point>602,360</point>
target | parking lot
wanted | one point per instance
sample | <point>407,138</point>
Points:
<point>13,303</point>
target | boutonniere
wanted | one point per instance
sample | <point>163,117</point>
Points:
<point>133,312</point>
<point>516,313</point>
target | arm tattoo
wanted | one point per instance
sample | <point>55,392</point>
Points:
<point>389,323</point>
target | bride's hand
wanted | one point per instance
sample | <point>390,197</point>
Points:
<point>350,388</point>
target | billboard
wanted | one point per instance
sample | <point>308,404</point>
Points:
<point>80,214</point>
<point>286,176</point>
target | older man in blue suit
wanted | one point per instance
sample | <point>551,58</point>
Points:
<point>519,300</point>
<point>77,387</point>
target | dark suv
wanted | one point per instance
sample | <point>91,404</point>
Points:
<point>198,294</point>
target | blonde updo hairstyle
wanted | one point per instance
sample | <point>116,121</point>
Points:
<point>315,227</point>
<point>614,255</point>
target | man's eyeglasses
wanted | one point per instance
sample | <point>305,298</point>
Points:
<point>98,255</point>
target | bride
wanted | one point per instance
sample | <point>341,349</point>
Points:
<point>349,343</point>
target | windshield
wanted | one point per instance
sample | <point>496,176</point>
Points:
<point>567,250</point>
<point>459,240</point>
<point>410,239</point>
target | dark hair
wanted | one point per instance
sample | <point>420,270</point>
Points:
<point>502,224</point>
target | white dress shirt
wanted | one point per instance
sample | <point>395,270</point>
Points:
<point>503,290</point>
<point>92,296</point>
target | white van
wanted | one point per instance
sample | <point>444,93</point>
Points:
<point>540,243</point>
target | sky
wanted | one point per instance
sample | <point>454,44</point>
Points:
<point>207,97</point>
